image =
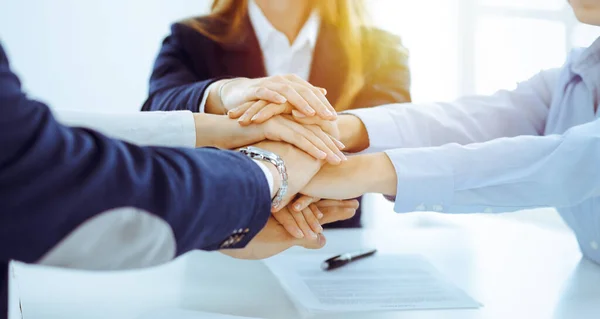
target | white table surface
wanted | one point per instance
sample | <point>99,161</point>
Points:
<point>515,269</point>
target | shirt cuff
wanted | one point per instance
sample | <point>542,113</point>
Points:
<point>187,129</point>
<point>267,174</point>
<point>202,105</point>
<point>382,130</point>
<point>425,180</point>
<point>170,129</point>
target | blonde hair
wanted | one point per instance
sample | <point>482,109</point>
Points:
<point>347,16</point>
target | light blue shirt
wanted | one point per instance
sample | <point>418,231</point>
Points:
<point>535,146</point>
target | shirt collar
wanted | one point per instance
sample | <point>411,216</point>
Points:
<point>588,58</point>
<point>265,31</point>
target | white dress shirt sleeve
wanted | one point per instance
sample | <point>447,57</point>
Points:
<point>522,111</point>
<point>505,174</point>
<point>202,105</point>
<point>171,129</point>
<point>268,176</point>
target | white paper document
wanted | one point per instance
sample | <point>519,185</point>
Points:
<point>381,282</point>
<point>187,314</point>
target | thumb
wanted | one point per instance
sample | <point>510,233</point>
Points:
<point>312,243</point>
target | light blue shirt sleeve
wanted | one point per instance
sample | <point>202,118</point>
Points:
<point>471,119</point>
<point>505,174</point>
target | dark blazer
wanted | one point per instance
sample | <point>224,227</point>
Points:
<point>189,61</point>
<point>53,178</point>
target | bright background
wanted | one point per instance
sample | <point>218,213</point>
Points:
<point>98,54</point>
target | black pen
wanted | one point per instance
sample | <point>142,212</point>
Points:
<point>344,259</point>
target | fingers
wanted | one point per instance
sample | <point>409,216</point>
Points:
<point>340,146</point>
<point>334,214</point>
<point>303,224</point>
<point>350,203</point>
<point>246,118</point>
<point>311,95</point>
<point>304,97</point>
<point>292,96</point>
<point>316,211</point>
<point>304,139</point>
<point>238,111</point>
<point>276,133</point>
<point>289,223</point>
<point>304,201</point>
<point>310,215</point>
<point>321,141</point>
<point>263,93</point>
<point>328,112</point>
<point>299,115</point>
<point>329,141</point>
<point>278,90</point>
<point>329,127</point>
<point>317,243</point>
<point>271,110</point>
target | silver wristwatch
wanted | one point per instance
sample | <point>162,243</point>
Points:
<point>264,155</point>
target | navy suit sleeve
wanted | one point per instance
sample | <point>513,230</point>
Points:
<point>173,84</point>
<point>53,178</point>
<point>387,74</point>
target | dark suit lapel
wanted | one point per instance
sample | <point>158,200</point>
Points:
<point>328,64</point>
<point>244,57</point>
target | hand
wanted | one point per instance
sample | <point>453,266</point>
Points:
<point>300,168</point>
<point>309,138</point>
<point>329,127</point>
<point>302,202</point>
<point>259,111</point>
<point>274,238</point>
<point>347,128</point>
<point>299,94</point>
<point>301,223</point>
<point>223,132</point>
<point>269,110</point>
<point>305,222</point>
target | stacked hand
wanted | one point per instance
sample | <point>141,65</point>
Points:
<point>232,96</point>
<point>274,237</point>
<point>299,125</point>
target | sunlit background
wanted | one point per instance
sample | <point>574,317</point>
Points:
<point>98,54</point>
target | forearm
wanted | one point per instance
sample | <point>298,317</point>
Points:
<point>361,174</point>
<point>222,132</point>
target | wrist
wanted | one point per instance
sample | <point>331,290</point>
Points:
<point>276,171</point>
<point>222,132</point>
<point>217,93</point>
<point>353,133</point>
<point>214,101</point>
<point>276,178</point>
<point>377,173</point>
